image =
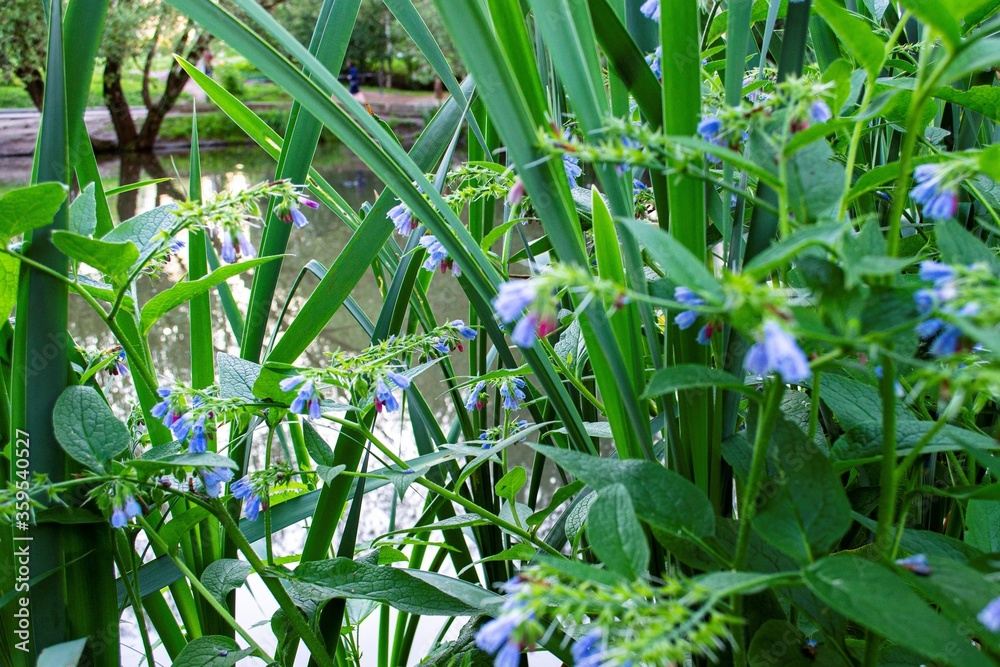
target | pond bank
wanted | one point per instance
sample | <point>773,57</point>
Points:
<point>19,127</point>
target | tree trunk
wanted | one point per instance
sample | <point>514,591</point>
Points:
<point>114,99</point>
<point>34,84</point>
<point>177,78</point>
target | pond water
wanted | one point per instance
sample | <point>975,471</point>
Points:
<point>322,240</point>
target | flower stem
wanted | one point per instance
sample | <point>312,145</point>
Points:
<point>154,537</point>
<point>765,425</point>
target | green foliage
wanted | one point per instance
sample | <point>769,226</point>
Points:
<point>786,338</point>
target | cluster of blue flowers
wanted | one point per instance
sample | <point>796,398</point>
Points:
<point>383,394</point>
<point>651,9</point>
<point>235,243</point>
<point>437,256</point>
<point>511,391</point>
<point>497,635</point>
<point>512,299</point>
<point>128,509</point>
<point>710,129</point>
<point>940,200</point>
<point>477,398</point>
<point>243,490</point>
<point>402,219</point>
<point>946,337</point>
<point>308,399</point>
<point>173,411</point>
<point>119,366</point>
<point>289,212</point>
<point>213,479</point>
<point>685,319</point>
<point>654,59</point>
<point>776,351</point>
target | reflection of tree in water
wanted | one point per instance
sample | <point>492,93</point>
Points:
<point>133,165</point>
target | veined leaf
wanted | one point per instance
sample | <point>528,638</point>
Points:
<point>29,208</point>
<point>615,534</point>
<point>111,259</point>
<point>87,429</point>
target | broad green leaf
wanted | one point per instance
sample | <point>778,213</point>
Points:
<point>976,57</point>
<point>614,532</point>
<point>29,208</point>
<point>860,589</point>
<point>854,33</point>
<point>182,292</point>
<point>211,651</point>
<point>225,575</point>
<point>936,14</point>
<point>959,246</point>
<point>328,473</point>
<point>777,254</point>
<point>87,429</point>
<point>982,525</point>
<point>677,261</point>
<point>317,447</point>
<point>342,577</point>
<point>806,494</point>
<point>111,259</point>
<point>862,443</point>
<point>780,642</point>
<point>960,591</point>
<point>854,402</point>
<point>145,230</point>
<point>693,376</point>
<point>237,377</point>
<point>510,484</point>
<point>661,497</point>
<point>67,654</point>
<point>984,100</point>
<point>83,212</point>
<point>9,274</point>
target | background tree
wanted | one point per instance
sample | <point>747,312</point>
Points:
<point>138,33</point>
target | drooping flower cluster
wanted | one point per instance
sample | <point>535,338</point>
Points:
<point>504,431</point>
<point>174,411</point>
<point>776,351</point>
<point>213,479</point>
<point>230,214</point>
<point>935,191</point>
<point>288,210</point>
<point>651,9</point>
<point>307,400</point>
<point>512,299</point>
<point>125,509</point>
<point>437,256</point>
<point>685,319</point>
<point>244,489</point>
<point>498,636</point>
<point>477,398</point>
<point>945,337</point>
<point>512,393</point>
